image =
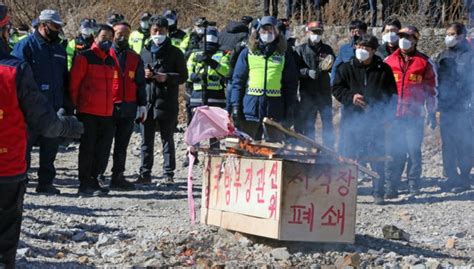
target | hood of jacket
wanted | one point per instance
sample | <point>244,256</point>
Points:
<point>279,42</point>
<point>235,27</point>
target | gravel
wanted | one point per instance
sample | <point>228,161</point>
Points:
<point>150,226</point>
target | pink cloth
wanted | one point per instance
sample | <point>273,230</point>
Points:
<point>208,122</point>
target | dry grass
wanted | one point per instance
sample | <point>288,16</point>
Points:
<point>336,12</point>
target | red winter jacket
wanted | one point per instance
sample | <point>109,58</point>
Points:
<point>93,76</point>
<point>125,88</point>
<point>12,125</point>
<point>416,83</point>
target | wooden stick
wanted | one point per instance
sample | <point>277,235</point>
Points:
<point>320,147</point>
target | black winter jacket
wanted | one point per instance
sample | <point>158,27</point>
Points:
<point>456,78</point>
<point>233,34</point>
<point>307,58</point>
<point>163,97</point>
<point>375,82</point>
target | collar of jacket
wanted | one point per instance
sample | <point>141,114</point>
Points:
<point>376,63</point>
<point>99,52</point>
<point>461,47</point>
<point>399,54</point>
<point>157,49</point>
<point>39,38</point>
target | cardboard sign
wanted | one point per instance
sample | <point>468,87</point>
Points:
<point>281,199</point>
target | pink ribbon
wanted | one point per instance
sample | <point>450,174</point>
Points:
<point>192,210</point>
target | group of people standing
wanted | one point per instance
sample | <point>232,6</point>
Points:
<point>112,78</point>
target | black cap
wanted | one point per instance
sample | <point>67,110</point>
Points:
<point>145,16</point>
<point>158,20</point>
<point>246,19</point>
<point>115,18</point>
<point>368,41</point>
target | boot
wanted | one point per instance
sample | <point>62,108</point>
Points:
<point>47,189</point>
<point>143,179</point>
<point>119,183</point>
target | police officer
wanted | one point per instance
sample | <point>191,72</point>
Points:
<point>115,18</point>
<point>176,35</point>
<point>139,37</point>
<point>165,70</point>
<point>21,105</point>
<point>207,68</point>
<point>81,42</point>
<point>194,39</point>
<point>48,60</point>
<point>213,63</point>
<point>264,83</point>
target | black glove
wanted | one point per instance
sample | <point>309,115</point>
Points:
<point>237,116</point>
<point>212,63</point>
<point>431,120</point>
<point>72,128</point>
<point>196,78</point>
<point>206,59</point>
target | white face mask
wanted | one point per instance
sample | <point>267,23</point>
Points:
<point>158,39</point>
<point>267,37</point>
<point>200,30</point>
<point>404,44</point>
<point>315,38</point>
<point>390,37</point>
<point>212,39</point>
<point>450,41</point>
<point>362,54</point>
<point>144,25</point>
<point>87,32</point>
<point>171,22</point>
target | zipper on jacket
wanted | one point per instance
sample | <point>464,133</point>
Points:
<point>265,77</point>
<point>123,75</point>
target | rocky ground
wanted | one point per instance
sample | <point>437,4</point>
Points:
<point>150,227</point>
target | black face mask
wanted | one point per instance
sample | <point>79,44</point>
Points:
<point>53,36</point>
<point>121,43</point>
<point>355,38</point>
<point>105,45</point>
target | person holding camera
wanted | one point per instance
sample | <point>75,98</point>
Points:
<point>165,70</point>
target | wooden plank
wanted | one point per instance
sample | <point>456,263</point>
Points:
<point>321,147</point>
